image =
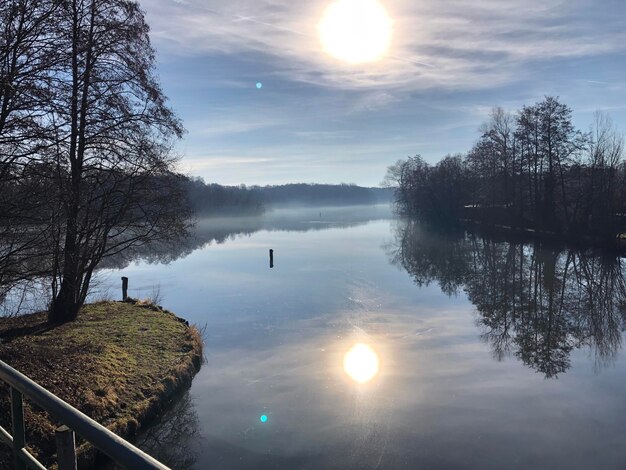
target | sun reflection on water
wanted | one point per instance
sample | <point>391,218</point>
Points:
<point>361,363</point>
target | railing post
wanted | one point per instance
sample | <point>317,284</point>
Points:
<point>17,417</point>
<point>66,448</point>
<point>103,439</point>
<point>124,287</point>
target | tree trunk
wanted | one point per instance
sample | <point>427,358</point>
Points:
<point>65,306</point>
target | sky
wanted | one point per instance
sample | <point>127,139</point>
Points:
<point>319,119</point>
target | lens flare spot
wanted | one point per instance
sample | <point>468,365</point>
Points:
<point>361,363</point>
<point>263,418</point>
<point>259,85</point>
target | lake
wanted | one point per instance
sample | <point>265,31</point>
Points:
<point>378,343</point>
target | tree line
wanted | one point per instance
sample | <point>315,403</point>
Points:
<point>528,170</point>
<point>211,199</point>
<point>214,199</point>
<point>322,194</point>
<point>86,136</point>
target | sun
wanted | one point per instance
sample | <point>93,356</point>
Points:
<point>356,31</point>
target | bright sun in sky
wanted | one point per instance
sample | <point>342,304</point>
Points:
<point>356,31</point>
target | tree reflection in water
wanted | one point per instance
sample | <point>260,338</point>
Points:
<point>170,439</point>
<point>536,301</point>
<point>27,292</point>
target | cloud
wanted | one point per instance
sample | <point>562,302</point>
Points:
<point>324,136</point>
<point>319,119</point>
<point>216,128</point>
<point>449,45</point>
<point>373,101</point>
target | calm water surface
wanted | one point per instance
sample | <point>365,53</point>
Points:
<point>479,354</point>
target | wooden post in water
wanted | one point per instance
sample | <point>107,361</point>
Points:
<point>124,287</point>
<point>271,258</point>
<point>66,448</point>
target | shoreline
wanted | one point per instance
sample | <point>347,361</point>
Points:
<point>616,244</point>
<point>121,363</point>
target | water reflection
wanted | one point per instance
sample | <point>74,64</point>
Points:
<point>170,438</point>
<point>216,230</point>
<point>361,363</point>
<point>536,302</point>
<point>276,343</point>
<point>20,296</point>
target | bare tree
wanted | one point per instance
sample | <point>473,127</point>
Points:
<point>113,133</point>
<point>534,170</point>
<point>605,154</point>
<point>27,60</point>
<point>393,177</point>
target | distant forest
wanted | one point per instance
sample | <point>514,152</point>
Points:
<point>213,199</point>
<point>530,171</point>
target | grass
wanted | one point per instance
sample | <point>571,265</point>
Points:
<point>119,363</point>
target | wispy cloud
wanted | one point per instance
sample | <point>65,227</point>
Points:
<point>222,127</point>
<point>316,119</point>
<point>452,45</point>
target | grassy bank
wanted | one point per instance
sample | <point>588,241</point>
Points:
<point>119,363</point>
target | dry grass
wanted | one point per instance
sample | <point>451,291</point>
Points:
<point>119,363</point>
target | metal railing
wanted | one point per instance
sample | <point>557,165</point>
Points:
<point>104,440</point>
